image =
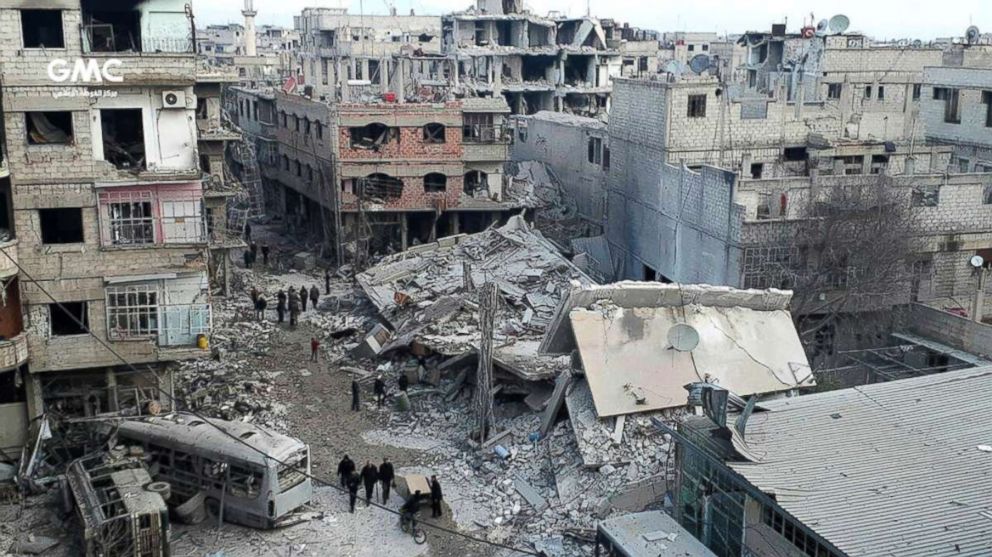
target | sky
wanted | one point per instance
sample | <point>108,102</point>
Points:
<point>882,19</point>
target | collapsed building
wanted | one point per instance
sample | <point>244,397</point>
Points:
<point>537,63</point>
<point>262,54</point>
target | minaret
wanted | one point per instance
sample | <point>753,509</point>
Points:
<point>249,13</point>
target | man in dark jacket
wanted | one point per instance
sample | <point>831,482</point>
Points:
<point>345,468</point>
<point>370,475</point>
<point>281,305</point>
<point>254,252</point>
<point>353,482</point>
<point>248,231</point>
<point>303,298</point>
<point>294,307</point>
<point>379,388</point>
<point>436,497</point>
<point>314,296</point>
<point>253,294</point>
<point>386,476</point>
<point>247,258</point>
<point>260,304</point>
<point>265,254</point>
<point>355,390</point>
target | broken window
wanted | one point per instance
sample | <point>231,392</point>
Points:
<point>320,129</point>
<point>131,222</point>
<point>434,133</point>
<point>881,93</point>
<point>878,163</point>
<point>435,183</point>
<point>68,318</point>
<point>42,29</point>
<point>61,226</point>
<point>691,48</point>
<point>132,311</point>
<point>475,181</point>
<point>306,126</point>
<point>853,164</point>
<point>49,127</point>
<point>382,186</point>
<point>285,162</point>
<point>123,138</point>
<point>595,154</point>
<point>296,120</point>
<point>297,169</point>
<point>926,196</point>
<point>794,154</point>
<point>951,98</point>
<point>309,173</point>
<point>917,89</point>
<point>756,169</point>
<point>963,165</point>
<point>833,90</point>
<point>987,194</point>
<point>697,106</point>
<point>867,91</point>
<point>282,119</point>
<point>373,136</point>
<point>478,128</point>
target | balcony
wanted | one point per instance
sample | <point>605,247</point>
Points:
<point>13,351</point>
<point>485,143</point>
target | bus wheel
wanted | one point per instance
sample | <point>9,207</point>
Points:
<point>419,536</point>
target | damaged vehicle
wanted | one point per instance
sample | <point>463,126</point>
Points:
<point>121,510</point>
<point>257,483</point>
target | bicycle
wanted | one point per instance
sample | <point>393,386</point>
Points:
<point>408,523</point>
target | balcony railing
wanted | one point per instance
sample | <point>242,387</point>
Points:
<point>480,133</point>
<point>169,325</point>
<point>13,351</point>
<point>106,38</point>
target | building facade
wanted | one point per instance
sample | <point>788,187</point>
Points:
<point>105,200</point>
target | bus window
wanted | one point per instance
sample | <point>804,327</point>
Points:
<point>244,482</point>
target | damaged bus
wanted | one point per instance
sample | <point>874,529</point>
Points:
<point>121,509</point>
<point>257,488</point>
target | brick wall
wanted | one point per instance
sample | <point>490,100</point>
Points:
<point>411,146</point>
<point>951,329</point>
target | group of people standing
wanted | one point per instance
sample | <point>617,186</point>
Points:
<point>294,302</point>
<point>384,475</point>
<point>251,255</point>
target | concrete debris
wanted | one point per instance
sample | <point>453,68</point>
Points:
<point>529,271</point>
<point>33,545</point>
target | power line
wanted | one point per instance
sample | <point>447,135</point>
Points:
<point>237,439</point>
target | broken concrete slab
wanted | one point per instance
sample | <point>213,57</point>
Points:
<point>529,494</point>
<point>555,401</point>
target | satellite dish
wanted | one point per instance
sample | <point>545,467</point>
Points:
<point>976,262</point>
<point>699,63</point>
<point>683,337</point>
<point>821,28</point>
<point>839,23</point>
<point>917,43</point>
<point>972,34</point>
<point>675,67</point>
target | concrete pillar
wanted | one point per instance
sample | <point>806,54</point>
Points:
<point>497,74</point>
<point>400,80</point>
<point>112,398</point>
<point>404,233</point>
<point>455,223</point>
<point>365,69</point>
<point>384,74</point>
<point>32,390</point>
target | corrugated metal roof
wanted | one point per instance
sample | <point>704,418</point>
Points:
<point>886,469</point>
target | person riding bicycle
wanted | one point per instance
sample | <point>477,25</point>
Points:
<point>408,511</point>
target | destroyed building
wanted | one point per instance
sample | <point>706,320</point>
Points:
<point>104,227</point>
<point>344,56</point>
<point>259,54</point>
<point>388,174</point>
<point>815,475</point>
<point>537,63</point>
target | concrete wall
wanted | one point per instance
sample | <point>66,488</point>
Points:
<point>562,142</point>
<point>950,329</point>
<point>972,137</point>
<point>686,227</point>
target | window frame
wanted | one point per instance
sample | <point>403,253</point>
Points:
<point>696,106</point>
<point>141,311</point>
<point>61,29</point>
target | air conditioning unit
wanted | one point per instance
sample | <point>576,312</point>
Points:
<point>173,99</point>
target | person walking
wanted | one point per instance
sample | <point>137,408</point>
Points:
<point>260,306</point>
<point>314,349</point>
<point>294,307</point>
<point>355,390</point>
<point>353,482</point>
<point>345,468</point>
<point>247,258</point>
<point>370,475</point>
<point>327,282</point>
<point>304,295</point>
<point>436,497</point>
<point>314,296</point>
<point>386,476</point>
<point>254,251</point>
<point>281,305</point>
<point>247,231</point>
<point>253,294</point>
<point>379,389</point>
<point>265,254</point>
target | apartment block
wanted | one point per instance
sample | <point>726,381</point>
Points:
<point>105,202</point>
<point>956,107</point>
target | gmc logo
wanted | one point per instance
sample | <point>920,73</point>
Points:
<point>84,71</point>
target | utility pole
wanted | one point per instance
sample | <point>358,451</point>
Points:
<point>979,301</point>
<point>484,377</point>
